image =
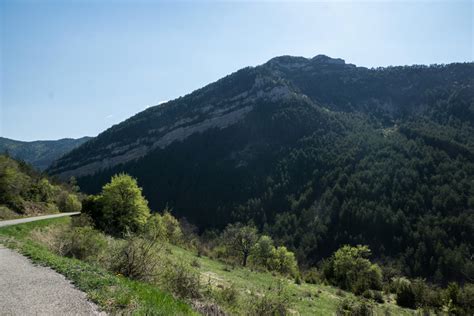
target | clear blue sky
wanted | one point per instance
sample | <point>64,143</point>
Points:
<point>73,68</point>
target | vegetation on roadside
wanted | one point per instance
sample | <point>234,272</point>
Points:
<point>113,292</point>
<point>215,273</point>
<point>26,192</point>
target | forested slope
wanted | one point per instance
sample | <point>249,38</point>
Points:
<point>316,152</point>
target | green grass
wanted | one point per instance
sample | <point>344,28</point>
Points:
<point>114,294</point>
<point>307,299</point>
<point>118,294</point>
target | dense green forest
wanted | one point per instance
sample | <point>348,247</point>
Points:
<point>332,154</point>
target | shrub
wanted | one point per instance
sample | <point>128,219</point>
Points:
<point>6,213</point>
<point>283,261</point>
<point>377,296</point>
<point>405,294</point>
<point>68,202</point>
<point>138,258</point>
<point>85,243</point>
<point>466,299</point>
<point>350,269</point>
<point>425,295</point>
<point>155,228</point>
<point>82,220</point>
<point>275,302</point>
<point>172,227</point>
<point>351,307</point>
<point>182,281</point>
<point>298,279</point>
<point>312,276</point>
<point>52,237</point>
<point>229,295</point>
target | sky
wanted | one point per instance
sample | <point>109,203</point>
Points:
<point>73,68</point>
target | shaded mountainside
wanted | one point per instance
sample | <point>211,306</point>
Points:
<point>40,154</point>
<point>318,153</point>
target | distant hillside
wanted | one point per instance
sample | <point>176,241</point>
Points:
<point>40,154</point>
<point>318,153</point>
<point>25,191</point>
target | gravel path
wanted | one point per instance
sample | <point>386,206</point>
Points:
<point>28,289</point>
<point>32,219</point>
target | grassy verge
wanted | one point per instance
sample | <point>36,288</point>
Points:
<point>114,294</point>
<point>307,299</point>
<point>118,294</point>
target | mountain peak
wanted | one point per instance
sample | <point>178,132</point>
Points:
<point>323,59</point>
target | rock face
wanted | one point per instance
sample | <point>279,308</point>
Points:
<point>329,83</point>
<point>216,106</point>
<point>40,154</point>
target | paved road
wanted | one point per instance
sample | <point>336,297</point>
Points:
<point>29,289</point>
<point>32,219</point>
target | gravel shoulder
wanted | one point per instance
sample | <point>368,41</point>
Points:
<point>28,289</point>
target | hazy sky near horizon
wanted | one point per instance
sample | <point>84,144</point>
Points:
<point>74,68</point>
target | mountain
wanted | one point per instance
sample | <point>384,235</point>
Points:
<point>40,154</point>
<point>318,153</point>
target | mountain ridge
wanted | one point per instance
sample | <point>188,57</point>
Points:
<point>317,153</point>
<point>40,153</point>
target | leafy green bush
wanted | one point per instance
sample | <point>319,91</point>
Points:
<point>164,227</point>
<point>173,228</point>
<point>312,276</point>
<point>68,202</point>
<point>262,252</point>
<point>350,269</point>
<point>283,261</point>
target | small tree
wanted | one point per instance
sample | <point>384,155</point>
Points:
<point>240,240</point>
<point>350,269</point>
<point>124,207</point>
<point>283,261</point>
<point>173,229</point>
<point>263,251</point>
